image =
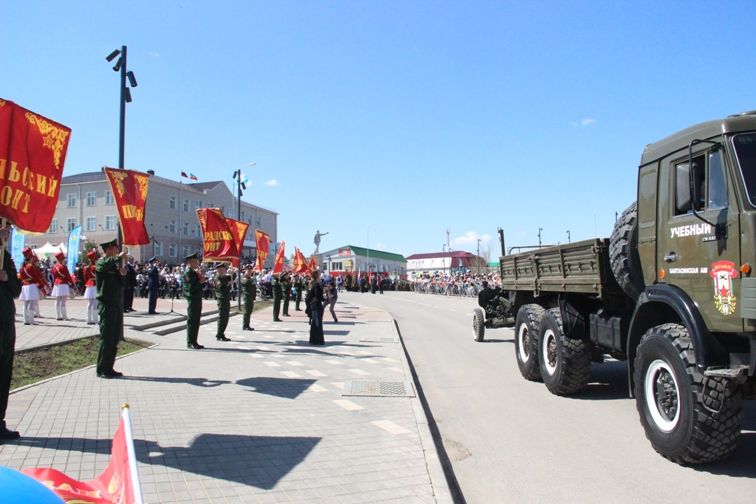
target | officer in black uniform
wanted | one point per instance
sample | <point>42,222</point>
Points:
<point>10,288</point>
<point>277,295</point>
<point>286,288</point>
<point>153,284</point>
<point>221,283</point>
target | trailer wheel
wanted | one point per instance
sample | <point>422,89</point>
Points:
<point>527,322</point>
<point>565,363</point>
<point>623,252</point>
<point>688,417</point>
<point>479,324</point>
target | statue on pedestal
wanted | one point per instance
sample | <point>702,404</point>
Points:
<point>316,240</point>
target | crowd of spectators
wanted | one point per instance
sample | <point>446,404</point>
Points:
<point>467,284</point>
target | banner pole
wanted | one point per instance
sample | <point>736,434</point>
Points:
<point>135,483</point>
<point>3,223</point>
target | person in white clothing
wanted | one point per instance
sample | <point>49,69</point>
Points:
<point>90,294</point>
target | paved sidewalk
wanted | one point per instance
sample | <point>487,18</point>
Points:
<point>259,419</point>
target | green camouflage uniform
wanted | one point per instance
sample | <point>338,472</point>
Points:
<point>109,283</point>
<point>249,290</point>
<point>8,290</point>
<point>193,296</point>
<point>298,285</point>
<point>223,297</point>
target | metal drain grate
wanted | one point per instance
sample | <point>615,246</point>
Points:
<point>378,389</point>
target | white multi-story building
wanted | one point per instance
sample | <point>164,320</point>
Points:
<point>170,215</point>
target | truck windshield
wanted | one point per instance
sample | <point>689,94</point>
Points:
<point>745,150</point>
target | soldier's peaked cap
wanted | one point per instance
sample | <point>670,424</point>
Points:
<point>108,244</point>
<point>152,259</point>
<point>191,256</point>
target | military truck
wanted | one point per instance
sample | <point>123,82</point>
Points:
<point>672,292</point>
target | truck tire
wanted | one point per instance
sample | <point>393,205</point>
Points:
<point>623,252</point>
<point>479,324</point>
<point>565,363</point>
<point>527,323</point>
<point>688,418</point>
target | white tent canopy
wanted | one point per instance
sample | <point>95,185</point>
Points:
<point>49,249</point>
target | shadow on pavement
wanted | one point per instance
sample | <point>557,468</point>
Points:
<point>289,388</point>
<point>607,381</point>
<point>741,464</point>
<point>197,382</point>
<point>511,340</point>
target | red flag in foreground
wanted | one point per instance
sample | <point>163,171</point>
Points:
<point>218,242</point>
<point>32,154</point>
<point>129,188</point>
<point>279,262</point>
<point>239,232</point>
<point>262,240</point>
<point>119,483</point>
<point>313,264</point>
<point>300,263</point>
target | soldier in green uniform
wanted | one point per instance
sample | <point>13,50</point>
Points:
<point>298,286</point>
<point>286,281</point>
<point>10,288</point>
<point>221,283</point>
<point>249,290</point>
<point>110,272</point>
<point>277,295</point>
<point>193,280</point>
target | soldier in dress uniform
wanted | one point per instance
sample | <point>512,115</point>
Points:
<point>33,284</point>
<point>10,288</point>
<point>193,280</point>
<point>221,284</point>
<point>277,295</point>
<point>129,286</point>
<point>153,284</point>
<point>63,286</point>
<point>110,272</point>
<point>249,291</point>
<point>286,288</point>
<point>90,287</point>
<point>298,286</point>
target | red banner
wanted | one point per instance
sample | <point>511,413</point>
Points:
<point>218,243</point>
<point>116,484</point>
<point>129,188</point>
<point>300,263</point>
<point>313,264</point>
<point>262,240</point>
<point>278,264</point>
<point>32,154</point>
<point>239,232</point>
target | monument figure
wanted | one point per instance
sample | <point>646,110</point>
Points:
<point>316,240</point>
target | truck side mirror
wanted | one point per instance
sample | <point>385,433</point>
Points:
<point>683,185</point>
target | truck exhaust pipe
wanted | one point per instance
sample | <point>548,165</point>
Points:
<point>501,242</point>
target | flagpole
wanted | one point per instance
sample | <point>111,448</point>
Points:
<point>135,483</point>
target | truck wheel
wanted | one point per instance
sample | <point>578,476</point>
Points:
<point>623,252</point>
<point>687,417</point>
<point>479,324</point>
<point>526,340</point>
<point>565,363</point>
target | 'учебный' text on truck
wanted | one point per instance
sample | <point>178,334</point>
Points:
<point>672,292</point>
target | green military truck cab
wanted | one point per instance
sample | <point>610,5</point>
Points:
<point>672,292</point>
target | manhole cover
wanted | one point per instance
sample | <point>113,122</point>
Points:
<point>379,388</point>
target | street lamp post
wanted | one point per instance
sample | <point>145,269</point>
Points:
<point>478,259</point>
<point>239,187</point>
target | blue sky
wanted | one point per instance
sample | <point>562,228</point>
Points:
<point>389,121</point>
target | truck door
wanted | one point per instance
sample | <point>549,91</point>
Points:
<point>691,254</point>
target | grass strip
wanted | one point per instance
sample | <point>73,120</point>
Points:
<point>37,364</point>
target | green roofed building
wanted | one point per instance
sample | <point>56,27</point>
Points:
<point>350,259</point>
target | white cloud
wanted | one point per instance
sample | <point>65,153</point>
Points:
<point>470,238</point>
<point>272,183</point>
<point>586,121</point>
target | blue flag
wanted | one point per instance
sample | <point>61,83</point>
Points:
<point>74,237</point>
<point>18,241</point>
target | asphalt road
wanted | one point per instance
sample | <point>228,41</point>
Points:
<point>510,440</point>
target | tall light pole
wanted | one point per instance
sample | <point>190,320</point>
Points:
<point>125,97</point>
<point>239,187</point>
<point>478,259</point>
<point>539,236</point>
<point>568,236</point>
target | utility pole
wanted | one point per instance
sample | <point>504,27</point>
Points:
<point>448,249</point>
<point>568,236</point>
<point>539,236</point>
<point>478,259</point>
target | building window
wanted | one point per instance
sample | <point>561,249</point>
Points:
<point>54,226</point>
<point>110,222</point>
<point>71,200</point>
<point>92,198</point>
<point>197,204</point>
<point>172,249</point>
<point>158,248</point>
<point>186,205</point>
<point>186,229</point>
<point>172,226</point>
<point>91,223</point>
<point>109,199</point>
<point>70,224</point>
<point>184,251</point>
<point>172,203</point>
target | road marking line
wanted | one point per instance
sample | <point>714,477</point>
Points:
<point>294,363</point>
<point>272,364</point>
<point>390,426</point>
<point>315,372</point>
<point>256,356</point>
<point>335,362</point>
<point>338,385</point>
<point>389,359</point>
<point>359,372</point>
<point>291,374</point>
<point>243,348</point>
<point>348,405</point>
<point>317,388</point>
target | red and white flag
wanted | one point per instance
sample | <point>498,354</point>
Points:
<point>119,482</point>
<point>278,264</point>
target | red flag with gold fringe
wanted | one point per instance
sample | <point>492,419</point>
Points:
<point>32,154</point>
<point>300,263</point>
<point>278,264</point>
<point>218,242</point>
<point>312,265</point>
<point>239,232</point>
<point>129,188</point>
<point>262,243</point>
